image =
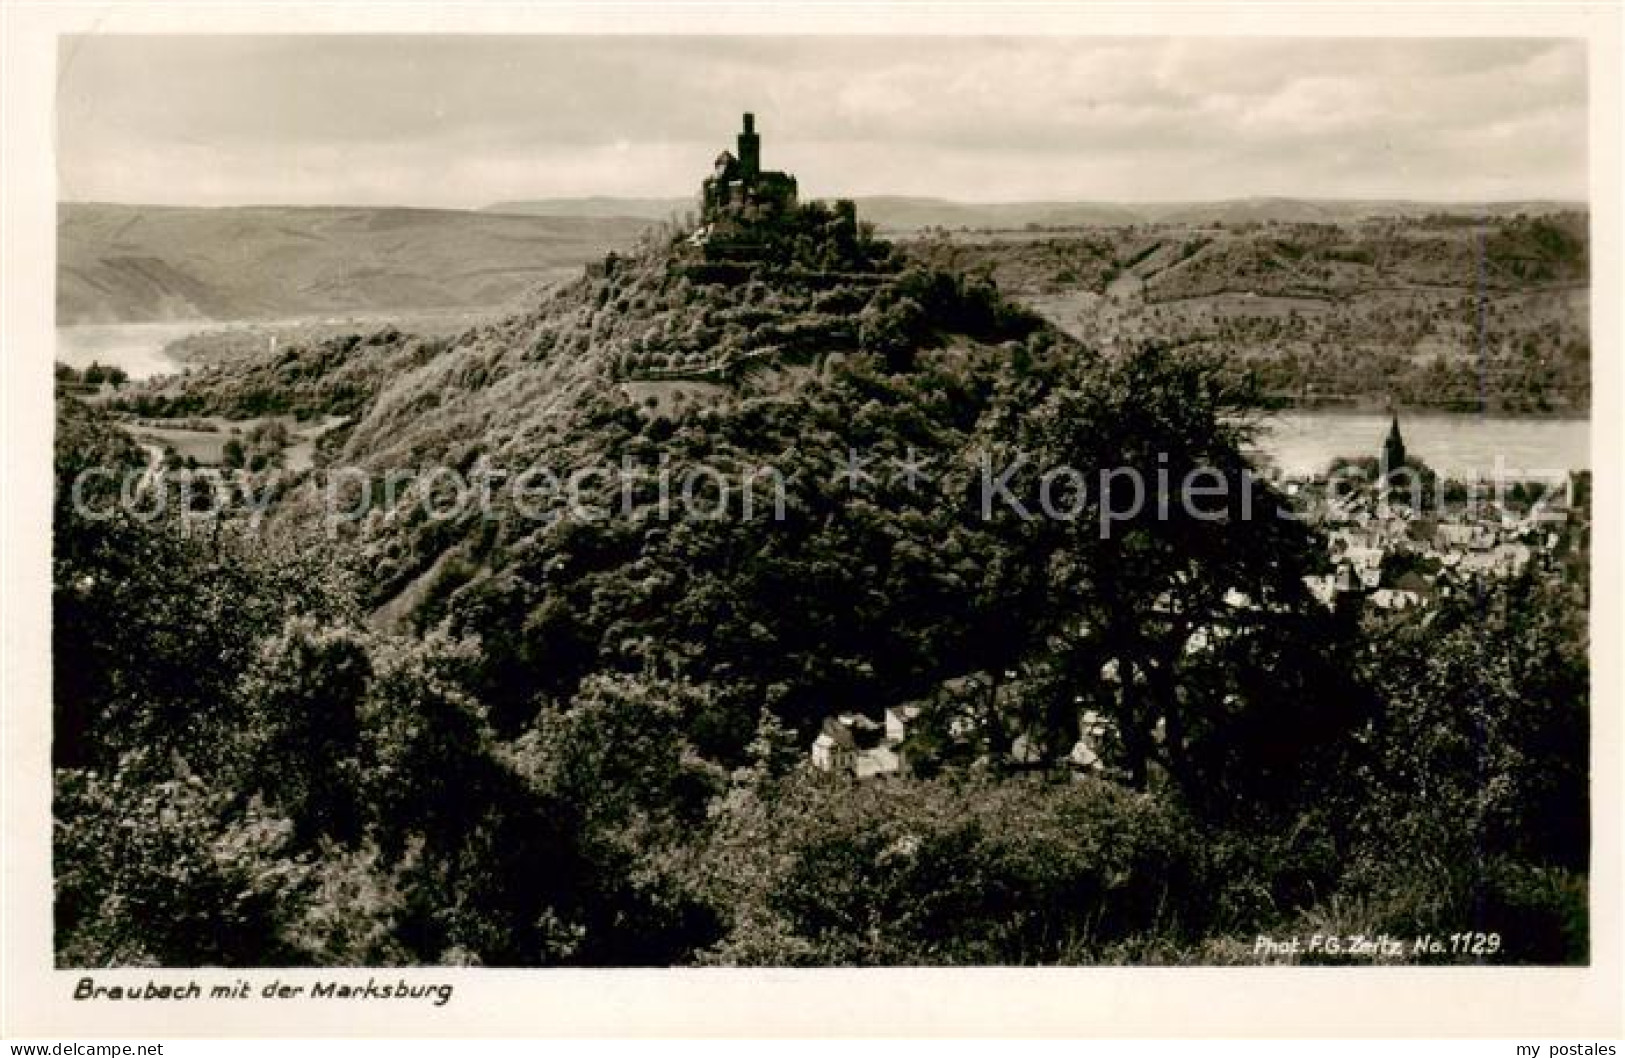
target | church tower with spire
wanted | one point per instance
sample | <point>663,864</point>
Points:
<point>1393,449</point>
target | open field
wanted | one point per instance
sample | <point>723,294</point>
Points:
<point>203,438</point>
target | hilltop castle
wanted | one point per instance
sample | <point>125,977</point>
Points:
<point>738,190</point>
<point>740,203</point>
<point>752,223</point>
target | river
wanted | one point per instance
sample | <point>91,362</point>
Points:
<point>136,347</point>
<point>1298,442</point>
<point>1460,446</point>
<point>139,348</point>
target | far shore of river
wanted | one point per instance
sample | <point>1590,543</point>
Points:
<point>1297,440</point>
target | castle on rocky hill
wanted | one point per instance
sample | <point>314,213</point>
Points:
<point>738,190</point>
<point>752,224</point>
<point>740,202</point>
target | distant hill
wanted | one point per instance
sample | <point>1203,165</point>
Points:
<point>1450,313</point>
<point>905,214</point>
<point>897,213</point>
<point>132,263</point>
<point>1335,211</point>
<point>1314,257</point>
<point>655,209</point>
<point>129,263</point>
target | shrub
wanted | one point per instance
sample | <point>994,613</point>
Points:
<point>949,872</point>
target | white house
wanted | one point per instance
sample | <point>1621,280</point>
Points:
<point>898,719</point>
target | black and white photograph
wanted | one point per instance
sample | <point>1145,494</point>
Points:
<point>539,501</point>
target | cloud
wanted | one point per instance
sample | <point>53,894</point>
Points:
<point>460,121</point>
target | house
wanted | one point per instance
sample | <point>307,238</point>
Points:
<point>1085,755</point>
<point>1510,559</point>
<point>1459,536</point>
<point>834,750</point>
<point>877,763</point>
<point>1364,558</point>
<point>854,744</point>
<point>898,718</point>
<point>851,744</point>
<point>1360,574</point>
<point>1395,598</point>
<point>865,730</point>
<point>1027,751</point>
<point>1391,530</point>
<point>1545,514</point>
<point>1476,563</point>
<point>1330,587</point>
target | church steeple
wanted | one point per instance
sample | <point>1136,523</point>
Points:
<point>1393,449</point>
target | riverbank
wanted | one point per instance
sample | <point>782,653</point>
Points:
<point>1456,445</point>
<point>149,350</point>
<point>1377,405</point>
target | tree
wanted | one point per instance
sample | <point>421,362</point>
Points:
<point>154,866</point>
<point>1485,723</point>
<point>1162,546</point>
<point>617,762</point>
<point>300,744</point>
<point>1473,801</point>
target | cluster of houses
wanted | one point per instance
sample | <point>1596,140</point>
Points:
<point>1368,540</point>
<point>1372,538</point>
<point>1382,553</point>
<point>857,745</point>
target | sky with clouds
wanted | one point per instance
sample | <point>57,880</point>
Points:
<point>459,121</point>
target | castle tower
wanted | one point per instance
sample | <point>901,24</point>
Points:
<point>750,151</point>
<point>739,198</point>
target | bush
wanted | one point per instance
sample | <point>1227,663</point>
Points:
<point>155,868</point>
<point>819,871</point>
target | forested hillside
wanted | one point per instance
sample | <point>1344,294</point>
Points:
<point>1453,313</point>
<point>571,726</point>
